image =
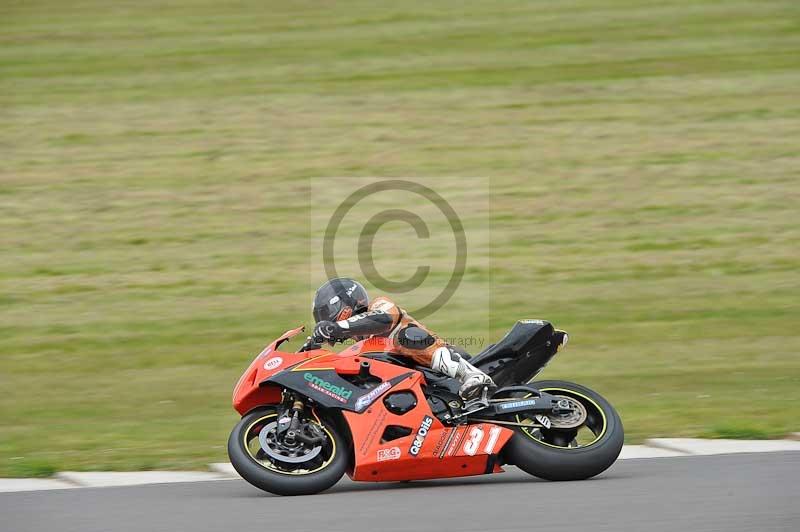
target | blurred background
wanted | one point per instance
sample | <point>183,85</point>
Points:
<point>155,193</point>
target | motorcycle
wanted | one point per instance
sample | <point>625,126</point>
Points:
<point>309,417</point>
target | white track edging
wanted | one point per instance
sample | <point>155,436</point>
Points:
<point>224,468</point>
<point>33,484</point>
<point>653,448</point>
<point>106,479</point>
<point>630,452</point>
<point>698,447</point>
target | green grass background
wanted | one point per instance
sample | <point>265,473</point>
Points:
<point>154,200</point>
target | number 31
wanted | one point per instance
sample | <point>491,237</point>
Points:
<point>476,436</point>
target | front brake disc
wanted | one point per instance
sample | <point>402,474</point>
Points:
<point>281,453</point>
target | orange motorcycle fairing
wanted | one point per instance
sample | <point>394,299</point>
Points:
<point>248,392</point>
<point>414,445</point>
<point>429,450</point>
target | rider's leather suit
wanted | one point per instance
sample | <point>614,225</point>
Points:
<point>384,318</point>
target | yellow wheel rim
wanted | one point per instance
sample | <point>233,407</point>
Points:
<point>249,438</point>
<point>572,393</point>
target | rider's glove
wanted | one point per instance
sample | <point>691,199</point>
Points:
<point>326,330</point>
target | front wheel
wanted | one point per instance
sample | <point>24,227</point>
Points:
<point>578,445</point>
<point>270,463</point>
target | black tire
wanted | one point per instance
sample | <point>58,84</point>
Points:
<point>562,463</point>
<point>285,483</point>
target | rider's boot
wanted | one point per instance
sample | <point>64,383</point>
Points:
<point>473,380</point>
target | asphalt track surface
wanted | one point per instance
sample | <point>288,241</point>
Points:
<point>748,492</point>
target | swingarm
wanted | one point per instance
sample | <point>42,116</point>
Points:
<point>534,401</point>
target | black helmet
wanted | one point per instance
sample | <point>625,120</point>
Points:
<point>338,299</point>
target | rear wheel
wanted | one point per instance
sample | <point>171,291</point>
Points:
<point>578,445</point>
<point>267,461</point>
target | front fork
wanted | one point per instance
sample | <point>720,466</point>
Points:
<point>293,427</point>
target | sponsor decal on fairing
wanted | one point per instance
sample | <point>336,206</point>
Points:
<point>444,440</point>
<point>273,363</point>
<point>365,400</point>
<point>373,432</point>
<point>392,453</point>
<point>419,439</point>
<point>339,393</point>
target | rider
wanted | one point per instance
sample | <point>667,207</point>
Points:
<point>343,310</point>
